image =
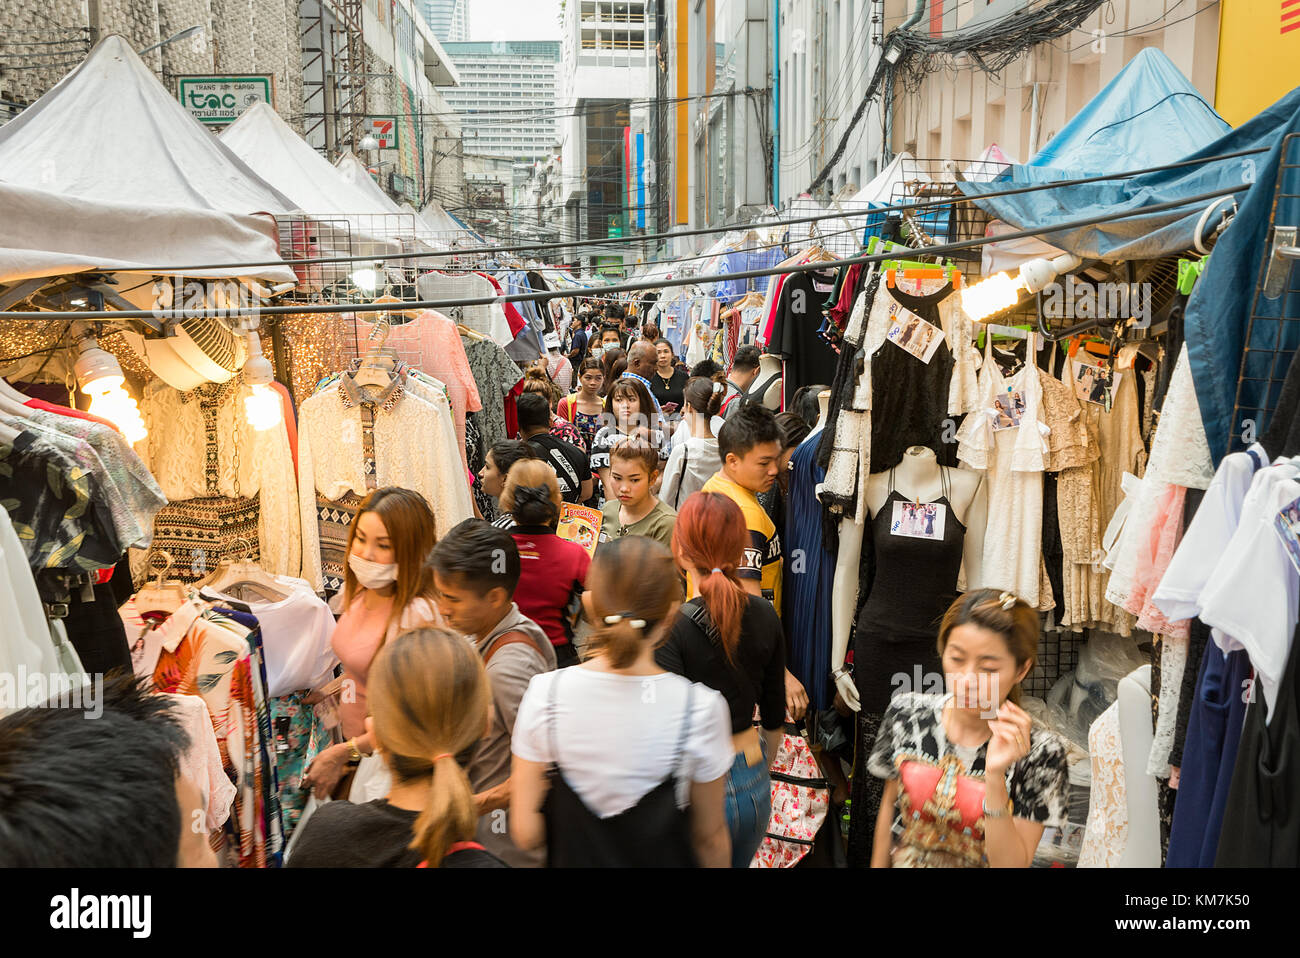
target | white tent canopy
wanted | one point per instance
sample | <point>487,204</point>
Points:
<point>107,171</point>
<point>351,220</point>
<point>445,226</point>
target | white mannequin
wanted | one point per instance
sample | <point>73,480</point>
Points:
<point>823,407</point>
<point>1142,849</point>
<point>917,477</point>
<point>769,366</point>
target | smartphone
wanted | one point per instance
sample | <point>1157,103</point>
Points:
<point>669,407</point>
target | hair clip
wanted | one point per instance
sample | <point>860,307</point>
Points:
<point>1008,601</point>
<point>616,619</point>
<point>718,387</point>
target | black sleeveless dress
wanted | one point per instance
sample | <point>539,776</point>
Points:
<point>915,582</point>
<point>653,833</point>
<point>897,635</point>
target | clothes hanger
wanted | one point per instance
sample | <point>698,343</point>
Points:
<point>162,596</point>
<point>377,365</point>
<point>243,572</point>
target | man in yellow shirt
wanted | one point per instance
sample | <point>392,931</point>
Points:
<point>749,444</point>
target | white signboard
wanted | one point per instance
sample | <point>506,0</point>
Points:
<point>220,100</point>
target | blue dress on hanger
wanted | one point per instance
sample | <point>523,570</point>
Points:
<point>809,570</point>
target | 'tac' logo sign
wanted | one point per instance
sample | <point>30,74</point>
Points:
<point>212,101</point>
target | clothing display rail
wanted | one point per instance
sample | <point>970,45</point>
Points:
<point>637,286</point>
<point>715,230</point>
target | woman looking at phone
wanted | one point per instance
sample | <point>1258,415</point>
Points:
<point>972,781</point>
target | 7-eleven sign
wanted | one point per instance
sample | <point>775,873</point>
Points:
<point>383,129</point>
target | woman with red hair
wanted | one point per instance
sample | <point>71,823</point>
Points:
<point>730,641</point>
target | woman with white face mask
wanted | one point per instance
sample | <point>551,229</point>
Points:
<point>387,590</point>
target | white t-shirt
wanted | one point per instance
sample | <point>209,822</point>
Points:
<point>1252,599</point>
<point>618,735</point>
<point>1178,595</point>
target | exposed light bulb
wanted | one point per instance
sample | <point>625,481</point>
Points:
<point>101,379</point>
<point>990,295</point>
<point>262,408</point>
<point>110,401</point>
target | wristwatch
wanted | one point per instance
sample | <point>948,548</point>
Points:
<point>1000,813</point>
<point>354,753</point>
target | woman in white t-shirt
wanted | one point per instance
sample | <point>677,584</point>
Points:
<point>637,757</point>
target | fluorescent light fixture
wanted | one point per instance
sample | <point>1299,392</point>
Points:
<point>262,407</point>
<point>1037,274</point>
<point>990,296</point>
<point>366,280</point>
<point>100,378</point>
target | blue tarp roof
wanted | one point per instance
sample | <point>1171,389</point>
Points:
<point>1148,115</point>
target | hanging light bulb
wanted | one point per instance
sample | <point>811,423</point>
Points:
<point>100,378</point>
<point>262,407</point>
<point>991,295</point>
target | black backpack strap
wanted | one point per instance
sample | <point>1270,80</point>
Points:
<point>697,613</point>
<point>686,728</point>
<point>551,701</point>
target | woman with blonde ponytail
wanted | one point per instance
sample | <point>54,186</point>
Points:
<point>429,702</point>
<point>637,756</point>
<point>731,641</point>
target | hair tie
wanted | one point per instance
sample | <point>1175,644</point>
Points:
<point>718,387</point>
<point>1008,601</point>
<point>532,494</point>
<point>715,569</point>
<point>439,758</point>
<point>619,617</point>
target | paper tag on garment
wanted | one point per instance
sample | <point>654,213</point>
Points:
<point>1008,409</point>
<point>912,333</point>
<point>918,520</point>
<point>1287,526</point>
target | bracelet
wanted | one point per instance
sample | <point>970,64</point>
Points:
<point>836,673</point>
<point>1001,813</point>
<point>354,753</point>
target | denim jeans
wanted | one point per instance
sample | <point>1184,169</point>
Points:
<point>749,805</point>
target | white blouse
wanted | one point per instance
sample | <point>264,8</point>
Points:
<point>414,447</point>
<point>176,452</point>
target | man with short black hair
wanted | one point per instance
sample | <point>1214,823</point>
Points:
<point>706,368</point>
<point>475,571</point>
<point>55,766</point>
<point>572,466</point>
<point>744,370</point>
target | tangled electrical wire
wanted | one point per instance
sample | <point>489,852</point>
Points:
<point>990,46</point>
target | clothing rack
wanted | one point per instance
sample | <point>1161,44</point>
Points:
<point>443,305</point>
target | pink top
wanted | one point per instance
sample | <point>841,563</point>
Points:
<point>357,637</point>
<point>432,344</point>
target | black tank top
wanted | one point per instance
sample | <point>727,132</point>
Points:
<point>653,833</point>
<point>916,578</point>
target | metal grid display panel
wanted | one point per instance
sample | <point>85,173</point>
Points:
<point>1273,329</point>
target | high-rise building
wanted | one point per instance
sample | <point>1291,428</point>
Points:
<point>606,86</point>
<point>449,19</point>
<point>507,96</point>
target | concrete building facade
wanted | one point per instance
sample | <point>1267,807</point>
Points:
<point>507,96</point>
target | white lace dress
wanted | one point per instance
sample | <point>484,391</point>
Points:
<point>1106,833</point>
<point>1014,459</point>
